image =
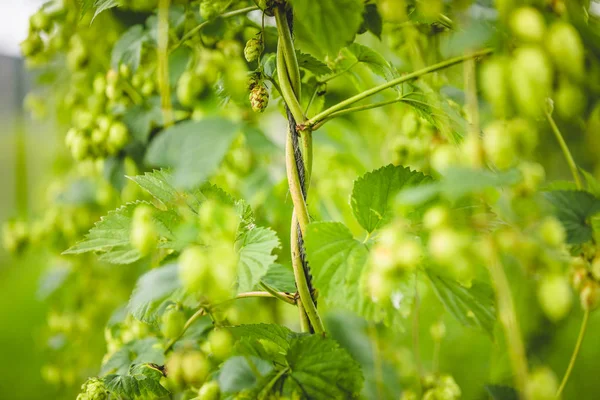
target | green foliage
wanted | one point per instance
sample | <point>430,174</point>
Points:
<point>574,210</point>
<point>473,306</point>
<point>151,290</point>
<point>193,149</point>
<point>372,193</point>
<point>255,248</point>
<point>319,35</point>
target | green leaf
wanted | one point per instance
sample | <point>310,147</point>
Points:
<point>255,248</point>
<point>237,374</point>
<point>474,306</point>
<point>111,234</point>
<point>309,63</point>
<point>103,5</point>
<point>128,49</point>
<point>142,383</point>
<point>139,351</point>
<point>458,182</point>
<point>142,118</point>
<point>114,172</point>
<point>158,184</point>
<point>279,335</point>
<point>498,392</point>
<point>329,246</point>
<point>151,290</point>
<point>322,369</point>
<point>375,61</point>
<point>79,192</point>
<point>593,186</point>
<point>373,191</point>
<point>323,27</point>
<point>574,208</point>
<point>178,63</point>
<point>281,278</point>
<point>193,148</point>
<point>85,6</point>
<point>372,20</point>
<point>337,263</point>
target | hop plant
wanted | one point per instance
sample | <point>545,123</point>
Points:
<point>143,232</point>
<point>93,389</point>
<point>259,98</point>
<point>253,49</point>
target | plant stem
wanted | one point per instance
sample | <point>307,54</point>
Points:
<point>301,280</point>
<point>201,312</point>
<point>304,322</point>
<point>473,110</point>
<point>285,86</point>
<point>565,150</point>
<point>508,318</point>
<point>287,45</point>
<point>163,62</point>
<point>300,209</point>
<point>355,109</point>
<point>584,324</point>
<point>413,75</point>
<point>415,330</point>
<point>199,27</point>
<point>278,295</point>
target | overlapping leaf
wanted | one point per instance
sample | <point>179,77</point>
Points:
<point>372,193</point>
<point>151,290</point>
<point>255,250</point>
<point>574,209</point>
<point>193,149</point>
<point>474,306</point>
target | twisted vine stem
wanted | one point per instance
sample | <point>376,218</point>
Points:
<point>298,155</point>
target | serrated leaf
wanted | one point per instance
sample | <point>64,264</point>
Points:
<point>193,148</point>
<point>111,234</point>
<point>103,5</point>
<point>279,335</point>
<point>474,306</point>
<point>322,369</point>
<point>135,386</point>
<point>309,63</point>
<point>322,28</point>
<point>151,290</point>
<point>158,184</point>
<point>237,374</point>
<point>337,263</point>
<point>372,59</point>
<point>574,208</point>
<point>148,350</point>
<point>372,20</point>
<point>281,278</point>
<point>458,182</point>
<point>255,251</point>
<point>373,191</point>
<point>498,392</point>
<point>128,49</point>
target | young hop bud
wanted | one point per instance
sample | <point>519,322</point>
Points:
<point>221,343</point>
<point>566,49</point>
<point>93,389</point>
<point>554,295</point>
<point>528,25</point>
<point>209,391</point>
<point>542,384</point>
<point>143,234</point>
<point>259,98</point>
<point>196,367</point>
<point>253,49</point>
<point>173,320</point>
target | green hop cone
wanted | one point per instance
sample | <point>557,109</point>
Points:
<point>542,384</point>
<point>209,391</point>
<point>210,9</point>
<point>531,80</point>
<point>253,49</point>
<point>566,49</point>
<point>118,136</point>
<point>193,268</point>
<point>259,98</point>
<point>143,234</point>
<point>221,343</point>
<point>189,88</point>
<point>555,297</point>
<point>93,389</point>
<point>32,45</point>
<point>172,322</point>
<point>494,76</point>
<point>195,367</point>
<point>528,25</point>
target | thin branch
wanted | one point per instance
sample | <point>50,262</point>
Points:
<point>278,295</point>
<point>584,324</point>
<point>199,27</point>
<point>356,109</point>
<point>200,313</point>
<point>565,150</point>
<point>413,75</point>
